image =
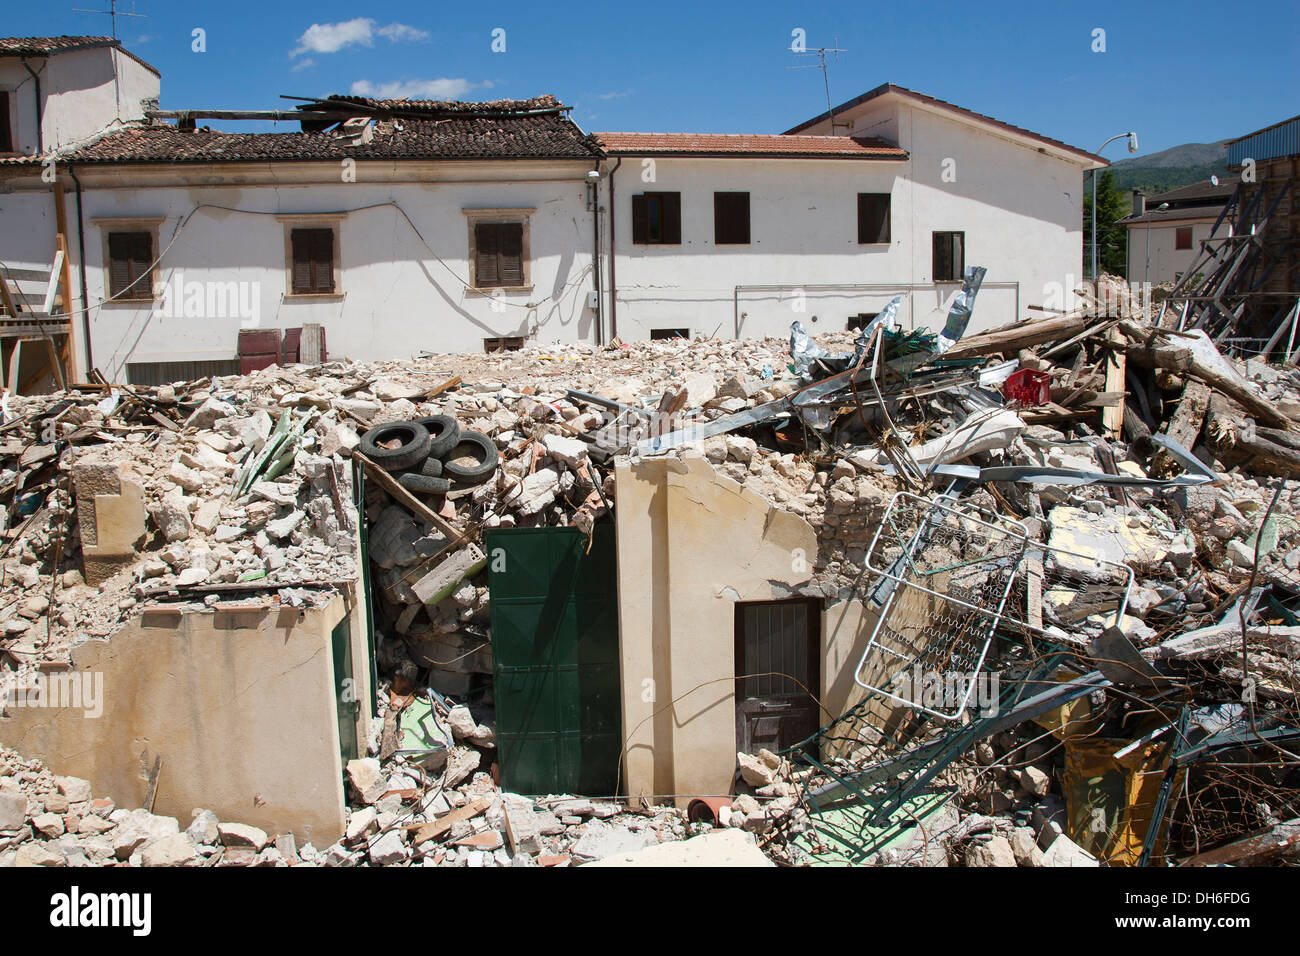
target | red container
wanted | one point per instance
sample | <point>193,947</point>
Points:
<point>1028,387</point>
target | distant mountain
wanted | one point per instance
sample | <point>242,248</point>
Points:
<point>1171,168</point>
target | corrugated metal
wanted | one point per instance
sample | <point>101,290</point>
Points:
<point>1280,140</point>
<point>164,373</point>
<point>556,660</point>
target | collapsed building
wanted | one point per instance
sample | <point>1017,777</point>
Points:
<point>883,596</point>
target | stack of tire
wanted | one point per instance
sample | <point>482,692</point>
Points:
<point>427,455</point>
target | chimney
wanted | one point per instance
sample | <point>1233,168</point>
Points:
<point>1139,203</point>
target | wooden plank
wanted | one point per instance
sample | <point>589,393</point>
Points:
<point>418,507</point>
<point>1112,417</point>
<point>431,831</point>
<point>439,389</point>
<point>52,289</point>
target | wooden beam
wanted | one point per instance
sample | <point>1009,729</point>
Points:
<point>1184,427</point>
<point>61,223</point>
<point>418,507</point>
<point>1112,417</point>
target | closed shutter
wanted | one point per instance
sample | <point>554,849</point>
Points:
<point>640,219</point>
<point>731,218</point>
<point>313,261</point>
<point>672,219</point>
<point>511,240</point>
<point>486,259</point>
<point>130,254</point>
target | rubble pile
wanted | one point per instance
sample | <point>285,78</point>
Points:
<point>1085,518</point>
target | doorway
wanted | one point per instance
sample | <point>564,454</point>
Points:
<point>778,675</point>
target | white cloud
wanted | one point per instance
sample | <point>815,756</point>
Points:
<point>400,32</point>
<point>443,88</point>
<point>332,37</point>
<point>303,64</point>
<point>613,96</point>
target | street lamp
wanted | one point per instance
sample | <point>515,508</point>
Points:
<point>1132,148</point>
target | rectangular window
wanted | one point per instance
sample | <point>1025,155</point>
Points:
<point>130,255</point>
<point>660,334</point>
<point>498,254</point>
<point>949,256</point>
<point>873,218</point>
<point>313,261</point>
<point>6,131</point>
<point>731,219</point>
<point>1183,237</point>
<point>657,219</point>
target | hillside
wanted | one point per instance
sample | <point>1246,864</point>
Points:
<point>1171,168</point>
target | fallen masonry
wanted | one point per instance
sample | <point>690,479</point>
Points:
<point>819,591</point>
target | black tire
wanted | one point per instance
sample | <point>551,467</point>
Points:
<point>432,468</point>
<point>424,484</point>
<point>413,450</point>
<point>481,447</point>
<point>444,432</point>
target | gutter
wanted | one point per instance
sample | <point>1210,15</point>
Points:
<point>595,253</point>
<point>40,117</point>
<point>613,257</point>
<point>81,273</point>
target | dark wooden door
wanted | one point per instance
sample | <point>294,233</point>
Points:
<point>778,673</point>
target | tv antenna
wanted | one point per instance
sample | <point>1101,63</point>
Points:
<point>820,53</point>
<point>113,13</point>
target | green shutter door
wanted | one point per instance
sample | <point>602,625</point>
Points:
<point>556,660</point>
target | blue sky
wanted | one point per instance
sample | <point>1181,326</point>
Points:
<point>1168,70</point>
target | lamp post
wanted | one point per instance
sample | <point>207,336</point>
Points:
<point>1132,148</point>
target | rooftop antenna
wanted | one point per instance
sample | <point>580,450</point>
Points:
<point>820,53</point>
<point>113,13</point>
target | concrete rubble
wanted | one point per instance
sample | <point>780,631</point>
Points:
<point>121,499</point>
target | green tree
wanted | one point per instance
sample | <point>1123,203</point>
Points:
<point>1112,238</point>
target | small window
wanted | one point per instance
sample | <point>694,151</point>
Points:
<point>313,261</point>
<point>6,131</point>
<point>731,219</point>
<point>507,343</point>
<point>130,257</point>
<point>1183,237</point>
<point>949,256</point>
<point>658,334</point>
<point>873,218</point>
<point>861,320</point>
<point>657,219</point>
<point>498,254</point>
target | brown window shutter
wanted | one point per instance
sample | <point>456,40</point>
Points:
<point>672,218</point>
<point>119,263</point>
<point>487,255</point>
<point>731,218</point>
<point>141,260</point>
<point>640,219</point>
<point>510,238</point>
<point>301,243</point>
<point>322,261</point>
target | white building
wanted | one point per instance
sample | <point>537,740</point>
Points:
<point>1165,232</point>
<point>400,227</point>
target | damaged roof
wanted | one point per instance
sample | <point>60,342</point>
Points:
<point>750,145</point>
<point>402,129</point>
<point>46,46</point>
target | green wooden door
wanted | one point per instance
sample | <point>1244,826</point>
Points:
<point>555,658</point>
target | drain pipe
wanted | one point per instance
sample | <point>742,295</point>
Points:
<point>81,273</point>
<point>613,284</point>
<point>593,183</point>
<point>36,78</point>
